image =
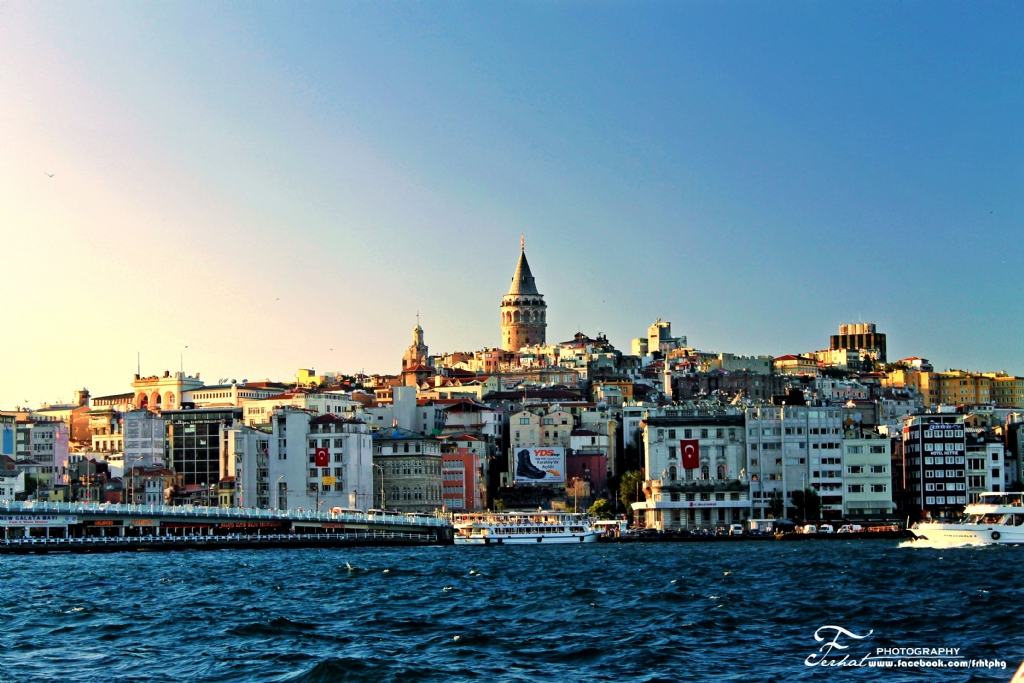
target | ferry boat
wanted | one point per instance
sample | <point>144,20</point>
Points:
<point>997,518</point>
<point>520,528</point>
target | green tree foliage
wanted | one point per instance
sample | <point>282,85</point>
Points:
<point>601,509</point>
<point>631,488</point>
<point>633,452</point>
<point>807,504</point>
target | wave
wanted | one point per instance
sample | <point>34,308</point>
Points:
<point>274,627</point>
<point>354,670</point>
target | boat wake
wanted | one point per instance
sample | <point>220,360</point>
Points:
<point>940,545</point>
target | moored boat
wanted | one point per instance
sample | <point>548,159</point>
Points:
<point>522,528</point>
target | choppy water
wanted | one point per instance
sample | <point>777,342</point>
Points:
<point>639,612</point>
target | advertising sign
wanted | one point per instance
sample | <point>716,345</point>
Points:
<point>543,465</point>
<point>329,481</point>
<point>38,520</point>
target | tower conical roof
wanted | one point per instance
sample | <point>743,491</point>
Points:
<point>522,281</point>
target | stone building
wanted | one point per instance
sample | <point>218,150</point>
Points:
<point>410,470</point>
<point>523,311</point>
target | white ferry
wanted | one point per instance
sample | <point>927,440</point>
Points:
<point>519,528</point>
<point>997,518</point>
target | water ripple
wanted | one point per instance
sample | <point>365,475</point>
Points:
<point>657,612</point>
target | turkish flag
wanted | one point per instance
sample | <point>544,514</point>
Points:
<point>690,451</point>
<point>322,458</point>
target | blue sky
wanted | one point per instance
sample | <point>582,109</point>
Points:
<point>278,186</point>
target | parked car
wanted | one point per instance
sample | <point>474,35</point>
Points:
<point>735,529</point>
<point>826,529</point>
<point>808,529</point>
<point>850,529</point>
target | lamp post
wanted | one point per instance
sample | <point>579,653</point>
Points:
<point>383,502</point>
<point>277,492</point>
<point>131,495</point>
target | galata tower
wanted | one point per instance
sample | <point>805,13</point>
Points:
<point>523,311</point>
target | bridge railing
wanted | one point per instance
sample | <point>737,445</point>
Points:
<point>199,511</point>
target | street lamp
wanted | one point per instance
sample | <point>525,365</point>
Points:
<point>131,495</point>
<point>383,502</point>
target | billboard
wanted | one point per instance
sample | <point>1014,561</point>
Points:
<point>538,465</point>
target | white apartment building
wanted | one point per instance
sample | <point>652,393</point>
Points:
<point>985,471</point>
<point>867,476</point>
<point>144,434</point>
<point>791,448</point>
<point>291,477</point>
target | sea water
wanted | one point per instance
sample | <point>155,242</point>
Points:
<point>595,612</point>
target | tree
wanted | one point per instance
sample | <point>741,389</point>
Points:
<point>807,503</point>
<point>630,488</point>
<point>499,505</point>
<point>776,507</point>
<point>633,452</point>
<point>601,509</point>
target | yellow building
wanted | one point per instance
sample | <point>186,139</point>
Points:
<point>1007,390</point>
<point>959,387</point>
<point>924,383</point>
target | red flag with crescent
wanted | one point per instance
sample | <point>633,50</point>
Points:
<point>322,458</point>
<point>690,451</point>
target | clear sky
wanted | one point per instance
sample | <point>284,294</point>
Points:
<point>284,185</point>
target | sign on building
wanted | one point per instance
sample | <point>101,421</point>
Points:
<point>543,465</point>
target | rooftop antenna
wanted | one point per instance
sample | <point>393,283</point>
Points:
<point>138,361</point>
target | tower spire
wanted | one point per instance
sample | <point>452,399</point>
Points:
<point>522,241</point>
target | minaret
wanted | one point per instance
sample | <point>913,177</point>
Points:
<point>523,311</point>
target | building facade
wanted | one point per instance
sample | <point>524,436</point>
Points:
<point>713,494</point>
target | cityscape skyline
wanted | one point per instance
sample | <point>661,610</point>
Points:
<point>278,188</point>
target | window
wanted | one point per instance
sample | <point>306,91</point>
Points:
<point>855,449</point>
<point>878,469</point>
<point>855,469</point>
<point>855,488</point>
<point>877,449</point>
<point>671,452</point>
<point>703,433</point>
<point>671,433</point>
<point>719,433</point>
<point>524,420</point>
<point>879,488</point>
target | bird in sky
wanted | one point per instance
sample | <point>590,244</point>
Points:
<point>49,174</point>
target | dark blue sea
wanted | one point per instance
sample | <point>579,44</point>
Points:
<point>600,612</point>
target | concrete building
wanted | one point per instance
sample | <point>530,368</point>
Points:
<point>660,339</point>
<point>196,452</point>
<point>985,456</point>
<point>464,472</point>
<point>313,462</point>
<point>144,434</point>
<point>1007,391</point>
<point>803,364</point>
<point>867,476</point>
<point>793,448</point>
<point>227,395</point>
<point>959,387</point>
<point>163,392</point>
<point>523,311</point>
<point>934,464</point>
<point>714,494</point>
<point>859,336</point>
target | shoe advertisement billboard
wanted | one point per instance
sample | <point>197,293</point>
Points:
<point>543,465</point>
